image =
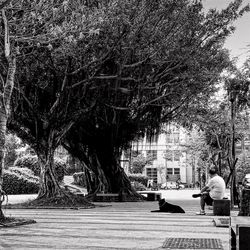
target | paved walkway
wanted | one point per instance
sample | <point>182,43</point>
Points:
<point>128,225</point>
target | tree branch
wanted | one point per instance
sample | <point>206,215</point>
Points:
<point>6,36</point>
<point>56,103</point>
<point>4,4</point>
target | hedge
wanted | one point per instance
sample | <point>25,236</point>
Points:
<point>25,172</point>
<point>138,186</point>
<point>28,161</point>
<point>20,181</point>
<point>138,178</point>
<point>31,162</point>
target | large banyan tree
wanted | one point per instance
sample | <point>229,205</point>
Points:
<point>169,56</point>
<point>44,104</point>
<point>134,64</point>
<point>47,107</point>
<point>24,25</point>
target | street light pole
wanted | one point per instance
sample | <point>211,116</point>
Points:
<point>232,151</point>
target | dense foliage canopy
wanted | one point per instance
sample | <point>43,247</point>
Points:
<point>94,75</point>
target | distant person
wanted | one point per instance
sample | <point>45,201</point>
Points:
<point>203,179</point>
<point>150,183</point>
<point>178,184</point>
<point>213,190</point>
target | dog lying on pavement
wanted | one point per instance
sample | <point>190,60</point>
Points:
<point>168,207</point>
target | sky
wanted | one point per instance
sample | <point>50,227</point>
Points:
<point>239,41</point>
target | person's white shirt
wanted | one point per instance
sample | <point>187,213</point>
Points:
<point>217,187</point>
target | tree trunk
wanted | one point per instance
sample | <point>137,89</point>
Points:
<point>95,178</point>
<point>104,173</point>
<point>101,182</point>
<point>3,120</point>
<point>90,181</point>
<point>49,186</point>
<point>117,180</point>
<point>4,113</point>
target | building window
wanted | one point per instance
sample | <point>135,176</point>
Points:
<point>173,137</point>
<point>238,149</point>
<point>174,155</point>
<point>177,155</point>
<point>176,137</point>
<point>169,171</point>
<point>152,154</point>
<point>247,153</point>
<point>152,174</point>
<point>238,152</point>
<point>169,138</point>
<point>177,171</point>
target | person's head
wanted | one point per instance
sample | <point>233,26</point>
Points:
<point>213,171</point>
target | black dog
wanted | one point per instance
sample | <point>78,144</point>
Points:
<point>168,208</point>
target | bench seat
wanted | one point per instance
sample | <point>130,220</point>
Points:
<point>221,207</point>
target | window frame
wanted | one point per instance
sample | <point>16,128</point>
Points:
<point>178,172</point>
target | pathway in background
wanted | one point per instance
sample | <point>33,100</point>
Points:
<point>19,198</point>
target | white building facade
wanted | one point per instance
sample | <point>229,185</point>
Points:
<point>169,153</point>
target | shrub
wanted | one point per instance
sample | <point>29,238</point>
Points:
<point>138,178</point>
<point>20,181</point>
<point>79,179</point>
<point>31,162</point>
<point>28,161</point>
<point>138,186</point>
<point>12,144</point>
<point>27,173</point>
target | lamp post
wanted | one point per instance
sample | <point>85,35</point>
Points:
<point>232,99</point>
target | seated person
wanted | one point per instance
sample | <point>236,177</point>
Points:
<point>214,190</point>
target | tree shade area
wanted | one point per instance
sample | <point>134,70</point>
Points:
<point>94,75</point>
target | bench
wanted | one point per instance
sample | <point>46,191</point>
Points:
<point>245,202</point>
<point>108,197</point>
<point>239,232</point>
<point>151,196</point>
<point>221,207</point>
